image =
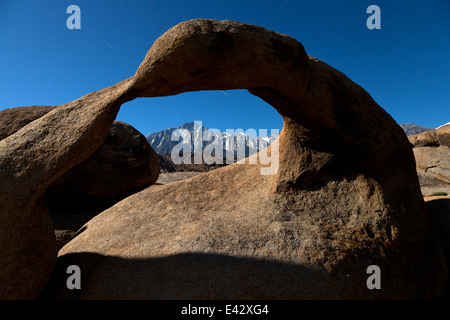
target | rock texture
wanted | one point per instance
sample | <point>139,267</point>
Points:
<point>345,196</point>
<point>432,154</point>
<point>165,178</point>
<point>13,119</point>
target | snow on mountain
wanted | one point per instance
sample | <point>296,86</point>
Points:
<point>162,142</point>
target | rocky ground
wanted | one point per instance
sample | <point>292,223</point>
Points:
<point>167,166</point>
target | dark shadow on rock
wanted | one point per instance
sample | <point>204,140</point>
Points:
<point>69,202</point>
<point>68,227</point>
<point>195,276</point>
<point>439,212</point>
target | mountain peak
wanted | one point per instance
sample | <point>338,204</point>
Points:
<point>162,142</point>
<point>192,125</point>
<point>412,128</point>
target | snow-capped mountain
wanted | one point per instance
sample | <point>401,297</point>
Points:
<point>195,133</point>
<point>162,142</point>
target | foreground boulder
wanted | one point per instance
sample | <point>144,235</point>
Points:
<point>345,195</point>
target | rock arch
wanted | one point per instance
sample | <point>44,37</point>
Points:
<point>346,194</point>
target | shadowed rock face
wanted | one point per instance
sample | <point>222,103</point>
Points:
<point>124,164</point>
<point>345,196</point>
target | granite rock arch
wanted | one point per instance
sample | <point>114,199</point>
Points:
<point>346,194</point>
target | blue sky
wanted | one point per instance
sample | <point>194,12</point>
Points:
<point>405,65</point>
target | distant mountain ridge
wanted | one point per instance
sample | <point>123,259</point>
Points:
<point>412,128</point>
<point>162,142</point>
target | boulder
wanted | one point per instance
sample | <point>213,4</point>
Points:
<point>432,138</point>
<point>435,161</point>
<point>124,164</point>
<point>13,119</point>
<point>343,194</point>
<point>432,154</point>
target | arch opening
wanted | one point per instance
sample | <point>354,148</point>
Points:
<point>223,122</point>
